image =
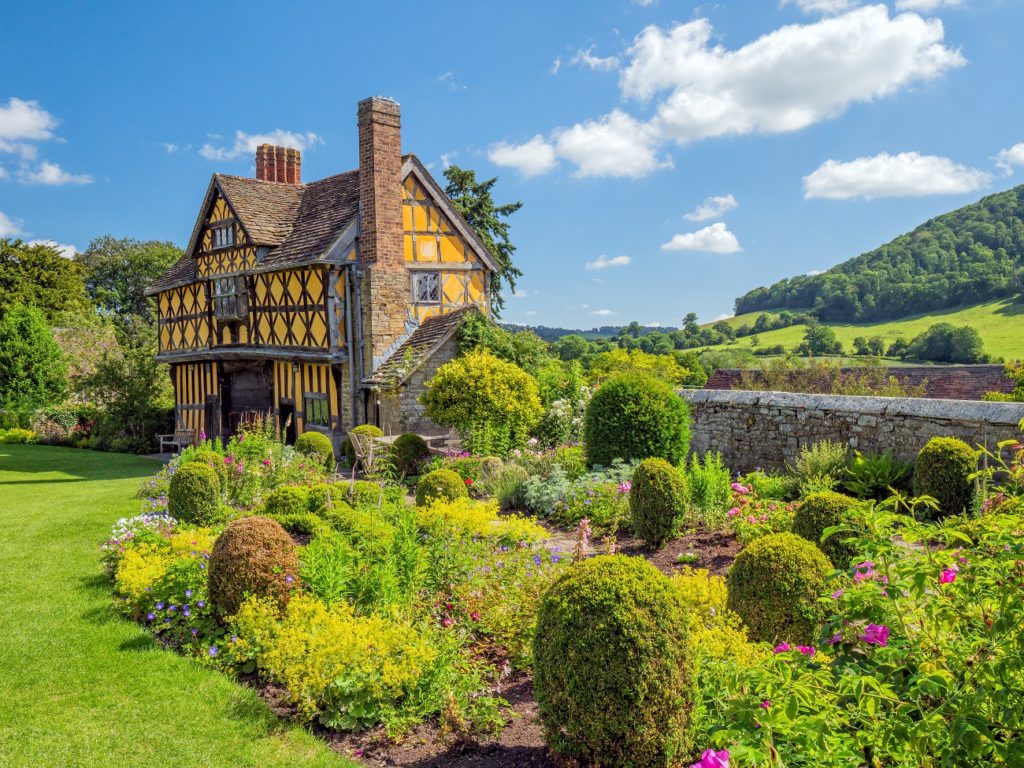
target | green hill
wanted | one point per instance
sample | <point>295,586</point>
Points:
<point>972,255</point>
<point>1000,323</point>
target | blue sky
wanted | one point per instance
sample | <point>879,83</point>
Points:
<point>669,155</point>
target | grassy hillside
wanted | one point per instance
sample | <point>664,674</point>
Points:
<point>1000,323</point>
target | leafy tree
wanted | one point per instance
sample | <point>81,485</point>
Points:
<point>690,324</point>
<point>473,200</point>
<point>117,272</point>
<point>946,343</point>
<point>571,347</point>
<point>899,348</point>
<point>524,349</point>
<point>135,394</point>
<point>820,340</point>
<point>33,370</point>
<point>38,276</point>
<point>617,361</point>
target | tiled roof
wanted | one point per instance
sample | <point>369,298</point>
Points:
<point>942,382</point>
<point>416,349</point>
<point>266,209</point>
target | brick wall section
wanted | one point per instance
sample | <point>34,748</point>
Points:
<point>385,286</point>
<point>943,382</point>
<point>768,429</point>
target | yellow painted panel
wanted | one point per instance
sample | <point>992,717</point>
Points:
<point>225,335</point>
<point>260,290</point>
<point>407,217</point>
<point>319,330</point>
<point>276,289</point>
<point>419,218</point>
<point>409,185</point>
<point>408,247</point>
<point>263,329</point>
<point>452,289</point>
<point>243,334</point>
<point>298,327</point>
<point>294,287</point>
<point>280,328</point>
<point>476,286</point>
<point>452,248</point>
<point>315,285</point>
<point>433,219</point>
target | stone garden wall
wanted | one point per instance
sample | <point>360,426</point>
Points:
<point>768,429</point>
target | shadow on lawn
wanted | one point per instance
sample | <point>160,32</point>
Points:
<point>76,465</point>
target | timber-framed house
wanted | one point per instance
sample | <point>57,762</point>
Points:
<point>323,305</point>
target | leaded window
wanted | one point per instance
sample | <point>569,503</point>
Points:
<point>318,411</point>
<point>230,300</point>
<point>426,287</point>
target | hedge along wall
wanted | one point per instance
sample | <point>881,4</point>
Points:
<point>768,429</point>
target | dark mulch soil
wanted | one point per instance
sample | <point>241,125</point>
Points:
<point>521,744</point>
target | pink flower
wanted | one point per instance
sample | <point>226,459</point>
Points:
<point>876,634</point>
<point>266,462</point>
<point>446,621</point>
<point>837,594</point>
<point>733,512</point>
<point>806,650</point>
<point>782,647</point>
<point>835,638</point>
<point>713,759</point>
<point>948,576</point>
<point>202,435</point>
<point>475,616</point>
<point>764,518</point>
<point>751,519</point>
<point>228,459</point>
<point>740,489</point>
<point>766,704</point>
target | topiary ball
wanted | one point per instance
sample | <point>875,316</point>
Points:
<point>363,429</point>
<point>774,586</point>
<point>633,417</point>
<point>824,510</point>
<point>287,500</point>
<point>193,495</point>
<point>253,556</point>
<point>318,445</point>
<point>656,499</point>
<point>408,453</point>
<point>942,470</point>
<point>440,485</point>
<point>613,671</point>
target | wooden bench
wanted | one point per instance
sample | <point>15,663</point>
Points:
<point>181,438</point>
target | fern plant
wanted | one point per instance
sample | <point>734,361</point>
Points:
<point>872,475</point>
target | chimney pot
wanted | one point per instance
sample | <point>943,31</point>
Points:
<point>279,164</point>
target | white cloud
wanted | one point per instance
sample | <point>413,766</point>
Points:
<point>246,143</point>
<point>713,239</point>
<point>602,312</point>
<point>603,262</point>
<point>520,294</point>
<point>822,6</point>
<point>3,172</point>
<point>66,250</point>
<point>24,121</point>
<point>448,79</point>
<point>786,80</point>
<point>533,158</point>
<point>712,208</point>
<point>587,58</point>
<point>723,316</point>
<point>446,158</point>
<point>1007,158</point>
<point>53,175</point>
<point>8,226</point>
<point>908,174</point>
<point>555,65</point>
<point>531,312</point>
<point>614,145</point>
<point>645,3</point>
<point>926,6</point>
<point>814,272</point>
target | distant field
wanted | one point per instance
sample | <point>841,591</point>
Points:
<point>1000,323</point>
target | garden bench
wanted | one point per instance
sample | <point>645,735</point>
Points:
<point>180,438</point>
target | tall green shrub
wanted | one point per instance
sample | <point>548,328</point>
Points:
<point>820,511</point>
<point>634,417</point>
<point>33,370</point>
<point>193,495</point>
<point>943,470</point>
<point>408,453</point>
<point>613,670</point>
<point>318,445</point>
<point>491,403</point>
<point>657,498</point>
<point>774,586</point>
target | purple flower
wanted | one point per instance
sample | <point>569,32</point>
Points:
<point>835,638</point>
<point>194,631</point>
<point>713,759</point>
<point>150,616</point>
<point>741,490</point>
<point>201,603</point>
<point>837,594</point>
<point>555,558</point>
<point>806,650</point>
<point>160,606</point>
<point>213,651</point>
<point>289,579</point>
<point>188,592</point>
<point>782,647</point>
<point>876,634</point>
<point>536,560</point>
<point>948,576</point>
<point>766,704</point>
<point>733,512</point>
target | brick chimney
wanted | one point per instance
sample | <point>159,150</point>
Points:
<point>280,164</point>
<point>386,291</point>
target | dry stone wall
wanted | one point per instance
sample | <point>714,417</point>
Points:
<point>768,429</point>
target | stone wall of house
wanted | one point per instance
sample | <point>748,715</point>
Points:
<point>768,429</point>
<point>404,412</point>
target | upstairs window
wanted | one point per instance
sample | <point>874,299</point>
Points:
<point>318,411</point>
<point>223,236</point>
<point>426,287</point>
<point>230,299</point>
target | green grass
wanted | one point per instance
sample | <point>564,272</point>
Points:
<point>82,687</point>
<point>1000,323</point>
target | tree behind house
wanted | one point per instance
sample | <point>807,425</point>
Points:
<point>33,370</point>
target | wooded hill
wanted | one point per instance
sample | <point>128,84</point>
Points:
<point>971,255</point>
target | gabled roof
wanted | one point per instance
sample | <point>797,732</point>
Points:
<point>418,348</point>
<point>300,224</point>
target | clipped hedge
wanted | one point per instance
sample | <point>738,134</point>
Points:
<point>193,495</point>
<point>613,670</point>
<point>408,453</point>
<point>440,485</point>
<point>253,556</point>
<point>824,510</point>
<point>942,470</point>
<point>774,586</point>
<point>318,445</point>
<point>634,417</point>
<point>657,498</point>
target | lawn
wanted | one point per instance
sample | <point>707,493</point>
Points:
<point>82,687</point>
<point>998,322</point>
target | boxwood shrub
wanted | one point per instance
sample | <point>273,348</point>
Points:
<point>408,453</point>
<point>774,586</point>
<point>253,556</point>
<point>193,495</point>
<point>613,670</point>
<point>942,470</point>
<point>657,498</point>
<point>633,417</point>
<point>318,445</point>
<point>441,484</point>
<point>824,510</point>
